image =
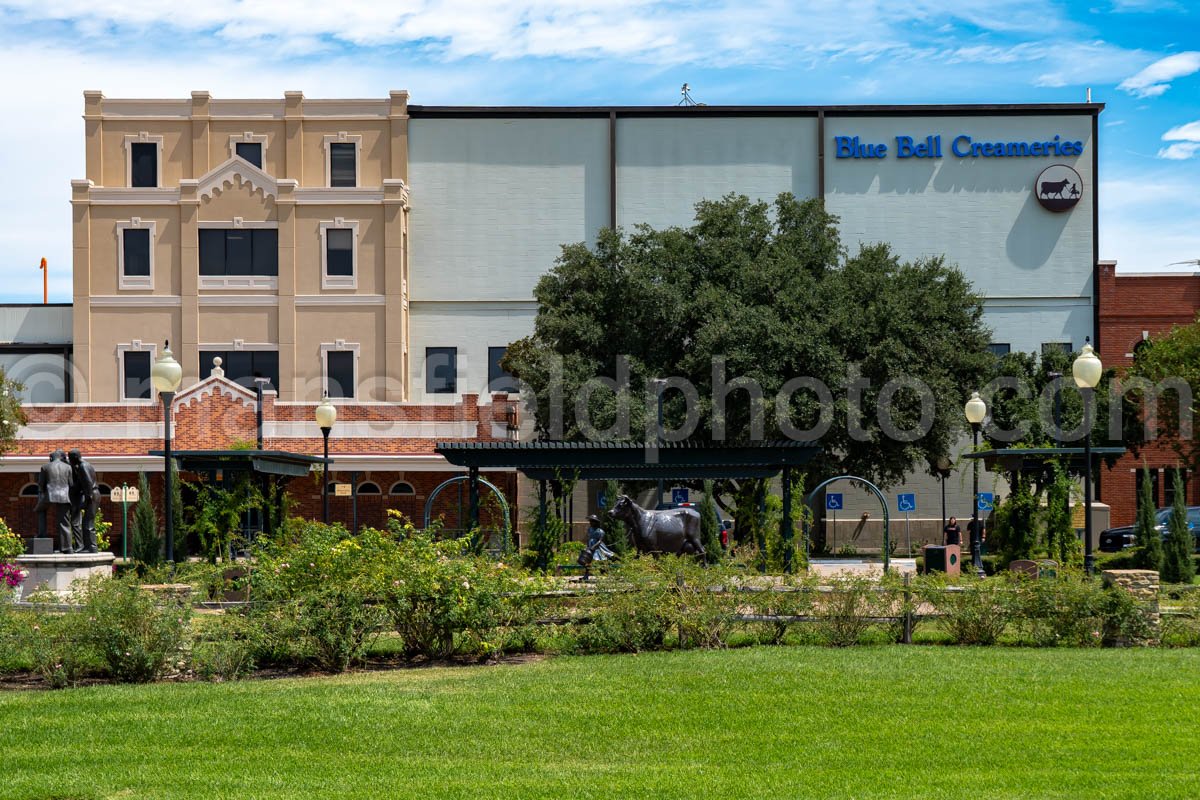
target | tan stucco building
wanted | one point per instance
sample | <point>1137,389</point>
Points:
<point>273,233</point>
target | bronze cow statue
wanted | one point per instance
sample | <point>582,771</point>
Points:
<point>675,531</point>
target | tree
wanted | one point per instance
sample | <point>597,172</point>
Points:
<point>710,525</point>
<point>1149,553</point>
<point>755,295</point>
<point>147,544</point>
<point>616,537</point>
<point>1170,364</point>
<point>1178,566</point>
<point>12,416</point>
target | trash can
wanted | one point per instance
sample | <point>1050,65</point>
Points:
<point>943,558</point>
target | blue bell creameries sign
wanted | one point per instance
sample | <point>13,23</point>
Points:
<point>961,146</point>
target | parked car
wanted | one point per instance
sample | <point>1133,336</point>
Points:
<point>1114,540</point>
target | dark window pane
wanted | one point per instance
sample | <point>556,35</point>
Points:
<point>341,164</point>
<point>143,168</point>
<point>251,151</point>
<point>999,349</point>
<point>212,252</point>
<point>498,379</point>
<point>340,370</point>
<point>339,252</point>
<point>239,367</point>
<point>238,253</point>
<point>266,364</point>
<point>266,252</point>
<point>441,370</point>
<point>137,375</point>
<point>137,251</point>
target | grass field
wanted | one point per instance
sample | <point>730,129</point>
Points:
<point>760,722</point>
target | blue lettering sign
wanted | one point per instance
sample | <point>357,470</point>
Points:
<point>962,146</point>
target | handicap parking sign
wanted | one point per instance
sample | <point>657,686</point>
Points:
<point>833,501</point>
<point>985,501</point>
<point>679,496</point>
<point>906,502</point>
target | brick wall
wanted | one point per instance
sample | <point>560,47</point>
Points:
<point>1133,307</point>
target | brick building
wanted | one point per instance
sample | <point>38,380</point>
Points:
<point>1135,307</point>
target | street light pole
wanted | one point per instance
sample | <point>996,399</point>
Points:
<point>166,375</point>
<point>1087,370</point>
<point>976,411</point>
<point>326,415</point>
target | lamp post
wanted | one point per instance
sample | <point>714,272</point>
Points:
<point>1087,370</point>
<point>975,410</point>
<point>166,375</point>
<point>326,415</point>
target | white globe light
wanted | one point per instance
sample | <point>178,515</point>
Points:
<point>1087,368</point>
<point>326,414</point>
<point>975,409</point>
<point>166,374</point>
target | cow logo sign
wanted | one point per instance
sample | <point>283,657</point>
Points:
<point>1058,188</point>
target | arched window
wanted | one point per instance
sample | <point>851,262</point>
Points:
<point>402,487</point>
<point>105,490</point>
<point>29,490</point>
<point>367,487</point>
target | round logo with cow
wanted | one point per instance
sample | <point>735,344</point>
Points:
<point>1058,188</point>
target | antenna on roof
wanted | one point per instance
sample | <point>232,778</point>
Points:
<point>687,100</point>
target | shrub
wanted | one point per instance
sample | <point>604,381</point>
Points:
<point>974,612</point>
<point>147,545</point>
<point>844,608</point>
<point>58,650</point>
<point>1182,628</point>
<point>138,635</point>
<point>1149,544</point>
<point>793,596</point>
<point>11,545</point>
<point>1177,558</point>
<point>442,599</point>
<point>319,588</point>
<point>227,647</point>
<point>1068,610</point>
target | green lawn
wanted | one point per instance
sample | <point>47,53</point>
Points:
<point>761,722</point>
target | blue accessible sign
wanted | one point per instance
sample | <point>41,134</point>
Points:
<point>679,496</point>
<point>906,502</point>
<point>833,501</point>
<point>986,500</point>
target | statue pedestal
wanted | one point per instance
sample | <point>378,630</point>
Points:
<point>58,571</point>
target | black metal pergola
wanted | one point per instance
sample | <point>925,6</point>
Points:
<point>545,461</point>
<point>1033,459</point>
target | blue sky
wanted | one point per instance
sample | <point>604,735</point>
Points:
<point>1140,57</point>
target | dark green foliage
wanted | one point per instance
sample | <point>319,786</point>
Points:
<point>977,611</point>
<point>1177,556</point>
<point>1172,362</point>
<point>616,536</point>
<point>1014,525</point>
<point>1062,544</point>
<point>147,544</point>
<point>769,290</point>
<point>138,634</point>
<point>710,526</point>
<point>1149,542</point>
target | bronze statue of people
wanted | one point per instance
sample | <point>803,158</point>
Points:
<point>596,549</point>
<point>43,504</point>
<point>55,483</point>
<point>85,499</point>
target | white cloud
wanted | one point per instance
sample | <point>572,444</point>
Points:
<point>1189,132</point>
<point>1156,78</point>
<point>1181,151</point>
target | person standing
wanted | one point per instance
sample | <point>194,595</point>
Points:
<point>952,534</point>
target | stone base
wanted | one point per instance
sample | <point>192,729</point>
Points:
<point>43,546</point>
<point>58,571</point>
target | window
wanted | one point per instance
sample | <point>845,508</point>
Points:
<point>1056,347</point>
<point>367,487</point>
<point>999,349</point>
<point>29,490</point>
<point>135,375</point>
<point>1169,486</point>
<point>401,487</point>
<point>339,254</point>
<point>342,166</point>
<point>105,490</point>
<point>499,380</point>
<point>135,253</point>
<point>339,373</point>
<point>250,151</point>
<point>1137,487</point>
<point>239,251</point>
<point>143,164</point>
<point>341,159</point>
<point>441,370</point>
<point>243,366</point>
